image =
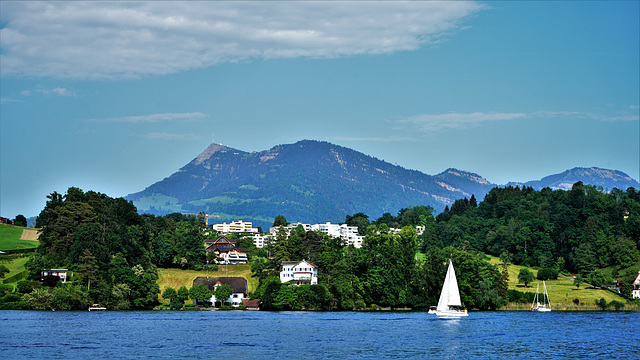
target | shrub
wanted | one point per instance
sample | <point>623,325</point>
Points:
<point>547,274</point>
<point>618,305</point>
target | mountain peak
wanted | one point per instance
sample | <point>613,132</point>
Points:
<point>206,154</point>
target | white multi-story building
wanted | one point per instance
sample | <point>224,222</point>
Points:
<point>349,234</point>
<point>261,240</point>
<point>301,272</point>
<point>236,227</point>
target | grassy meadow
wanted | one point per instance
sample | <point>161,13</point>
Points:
<point>10,238</point>
<point>562,292</point>
<point>176,278</point>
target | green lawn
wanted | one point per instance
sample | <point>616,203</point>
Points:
<point>10,238</point>
<point>14,265</point>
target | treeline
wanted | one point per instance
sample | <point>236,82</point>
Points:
<point>113,252</point>
<point>580,230</point>
<point>385,272</point>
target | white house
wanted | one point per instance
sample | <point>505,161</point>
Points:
<point>238,284</point>
<point>635,293</point>
<point>301,272</point>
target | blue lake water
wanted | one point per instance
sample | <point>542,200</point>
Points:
<point>317,335</point>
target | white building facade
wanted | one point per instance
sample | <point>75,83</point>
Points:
<point>236,227</point>
<point>301,272</point>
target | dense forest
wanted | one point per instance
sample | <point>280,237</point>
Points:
<point>113,252</point>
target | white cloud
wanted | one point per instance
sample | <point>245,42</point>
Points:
<point>57,91</point>
<point>455,120</point>
<point>102,40</point>
<point>155,118</point>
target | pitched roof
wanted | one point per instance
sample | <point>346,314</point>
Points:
<point>238,284</point>
<point>251,302</point>
<point>637,281</point>
<point>297,262</point>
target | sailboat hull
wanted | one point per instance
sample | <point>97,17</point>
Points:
<point>451,314</point>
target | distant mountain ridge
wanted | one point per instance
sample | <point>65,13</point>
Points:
<point>608,179</point>
<point>309,181</point>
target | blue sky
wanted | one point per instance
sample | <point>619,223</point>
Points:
<point>114,96</point>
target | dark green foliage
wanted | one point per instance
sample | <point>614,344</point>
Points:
<point>525,277</point>
<point>280,220</point>
<point>3,271</point>
<point>520,297</point>
<point>199,292</point>
<point>578,230</point>
<point>222,293</point>
<point>20,220</point>
<point>108,244</point>
<point>598,279</point>
<point>547,274</point>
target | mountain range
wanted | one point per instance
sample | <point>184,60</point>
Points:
<point>314,181</point>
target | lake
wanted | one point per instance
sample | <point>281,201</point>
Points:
<point>317,335</point>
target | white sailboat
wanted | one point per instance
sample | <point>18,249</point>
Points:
<point>546,304</point>
<point>450,305</point>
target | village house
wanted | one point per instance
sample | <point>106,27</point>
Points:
<point>300,272</point>
<point>61,274</point>
<point>227,250</point>
<point>238,284</point>
<point>635,293</point>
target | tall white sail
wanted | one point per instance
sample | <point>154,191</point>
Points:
<point>450,295</point>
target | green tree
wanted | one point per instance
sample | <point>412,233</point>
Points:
<point>525,276</point>
<point>577,281</point>
<point>3,271</point>
<point>222,293</point>
<point>169,293</point>
<point>487,297</point>
<point>360,220</point>
<point>20,220</point>
<point>88,267</point>
<point>183,293</point>
<point>199,292</point>
<point>598,279</point>
<point>280,220</point>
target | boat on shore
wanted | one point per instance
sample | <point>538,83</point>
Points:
<point>546,304</point>
<point>450,305</point>
<point>97,307</point>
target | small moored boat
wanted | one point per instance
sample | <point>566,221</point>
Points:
<point>97,307</point>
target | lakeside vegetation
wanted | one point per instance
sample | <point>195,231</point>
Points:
<point>125,260</point>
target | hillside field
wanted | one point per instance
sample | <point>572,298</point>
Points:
<point>10,238</point>
<point>176,278</point>
<point>561,292</point>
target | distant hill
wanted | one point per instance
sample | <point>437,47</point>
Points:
<point>608,179</point>
<point>309,181</point>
